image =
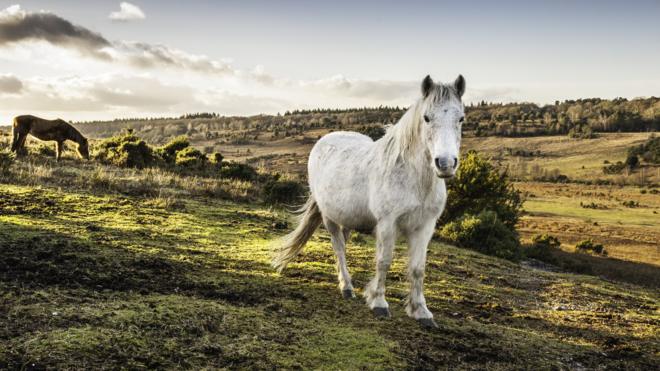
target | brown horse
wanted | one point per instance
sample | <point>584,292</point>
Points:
<point>47,130</point>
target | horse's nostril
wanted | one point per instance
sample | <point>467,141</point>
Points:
<point>437,163</point>
<point>455,162</point>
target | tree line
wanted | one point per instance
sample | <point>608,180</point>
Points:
<point>576,118</point>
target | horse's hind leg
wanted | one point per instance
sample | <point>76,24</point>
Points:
<point>59,146</point>
<point>20,143</point>
<point>15,137</point>
<point>338,237</point>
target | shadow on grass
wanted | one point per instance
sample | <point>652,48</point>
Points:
<point>637,273</point>
<point>150,309</point>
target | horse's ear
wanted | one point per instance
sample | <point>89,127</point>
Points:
<point>459,85</point>
<point>427,86</point>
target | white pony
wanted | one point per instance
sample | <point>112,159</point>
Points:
<point>395,184</point>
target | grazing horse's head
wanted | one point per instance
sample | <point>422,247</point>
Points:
<point>442,115</point>
<point>83,148</point>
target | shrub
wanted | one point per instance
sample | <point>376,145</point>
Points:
<point>630,203</point>
<point>546,240</point>
<point>357,239</point>
<point>283,192</point>
<point>581,132</point>
<point>479,186</point>
<point>126,150</point>
<point>632,161</point>
<point>190,158</point>
<point>217,158</point>
<point>6,160</point>
<point>590,246</point>
<point>541,248</point>
<point>484,232</point>
<point>614,168</point>
<point>235,170</point>
<point>649,150</point>
<point>44,150</point>
<point>168,152</point>
<point>373,132</point>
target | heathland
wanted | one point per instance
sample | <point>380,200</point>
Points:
<point>107,266</point>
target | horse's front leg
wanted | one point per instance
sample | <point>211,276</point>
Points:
<point>418,241</point>
<point>374,293</point>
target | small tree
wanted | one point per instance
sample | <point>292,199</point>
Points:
<point>632,161</point>
<point>478,186</point>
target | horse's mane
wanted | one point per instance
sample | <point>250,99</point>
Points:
<point>403,139</point>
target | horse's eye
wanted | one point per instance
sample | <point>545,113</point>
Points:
<point>426,118</point>
<point>461,119</point>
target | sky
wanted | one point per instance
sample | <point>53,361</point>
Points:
<point>85,60</point>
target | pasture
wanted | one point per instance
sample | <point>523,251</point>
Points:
<point>104,280</point>
<point>107,267</point>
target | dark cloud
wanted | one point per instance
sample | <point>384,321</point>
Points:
<point>10,84</point>
<point>18,26</point>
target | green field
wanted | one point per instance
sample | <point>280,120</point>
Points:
<point>94,280</point>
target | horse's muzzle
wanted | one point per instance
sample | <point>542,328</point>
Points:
<point>445,167</point>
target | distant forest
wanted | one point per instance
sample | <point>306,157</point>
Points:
<point>577,118</point>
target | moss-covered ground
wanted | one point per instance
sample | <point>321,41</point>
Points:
<point>107,281</point>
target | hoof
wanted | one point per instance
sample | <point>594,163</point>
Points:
<point>347,294</point>
<point>381,312</point>
<point>427,323</point>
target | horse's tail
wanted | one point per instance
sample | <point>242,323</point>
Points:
<point>292,244</point>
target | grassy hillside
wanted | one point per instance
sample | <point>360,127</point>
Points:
<point>100,280</point>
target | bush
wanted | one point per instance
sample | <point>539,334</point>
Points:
<point>373,132</point>
<point>190,158</point>
<point>168,152</point>
<point>6,160</point>
<point>632,161</point>
<point>235,170</point>
<point>614,168</point>
<point>589,246</point>
<point>217,158</point>
<point>541,248</point>
<point>484,232</point>
<point>546,240</point>
<point>44,150</point>
<point>630,204</point>
<point>126,150</point>
<point>649,150</point>
<point>283,192</point>
<point>478,186</point>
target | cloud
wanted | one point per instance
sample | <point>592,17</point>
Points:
<point>143,55</point>
<point>379,90</point>
<point>127,12</point>
<point>10,84</point>
<point>112,93</point>
<point>18,26</point>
